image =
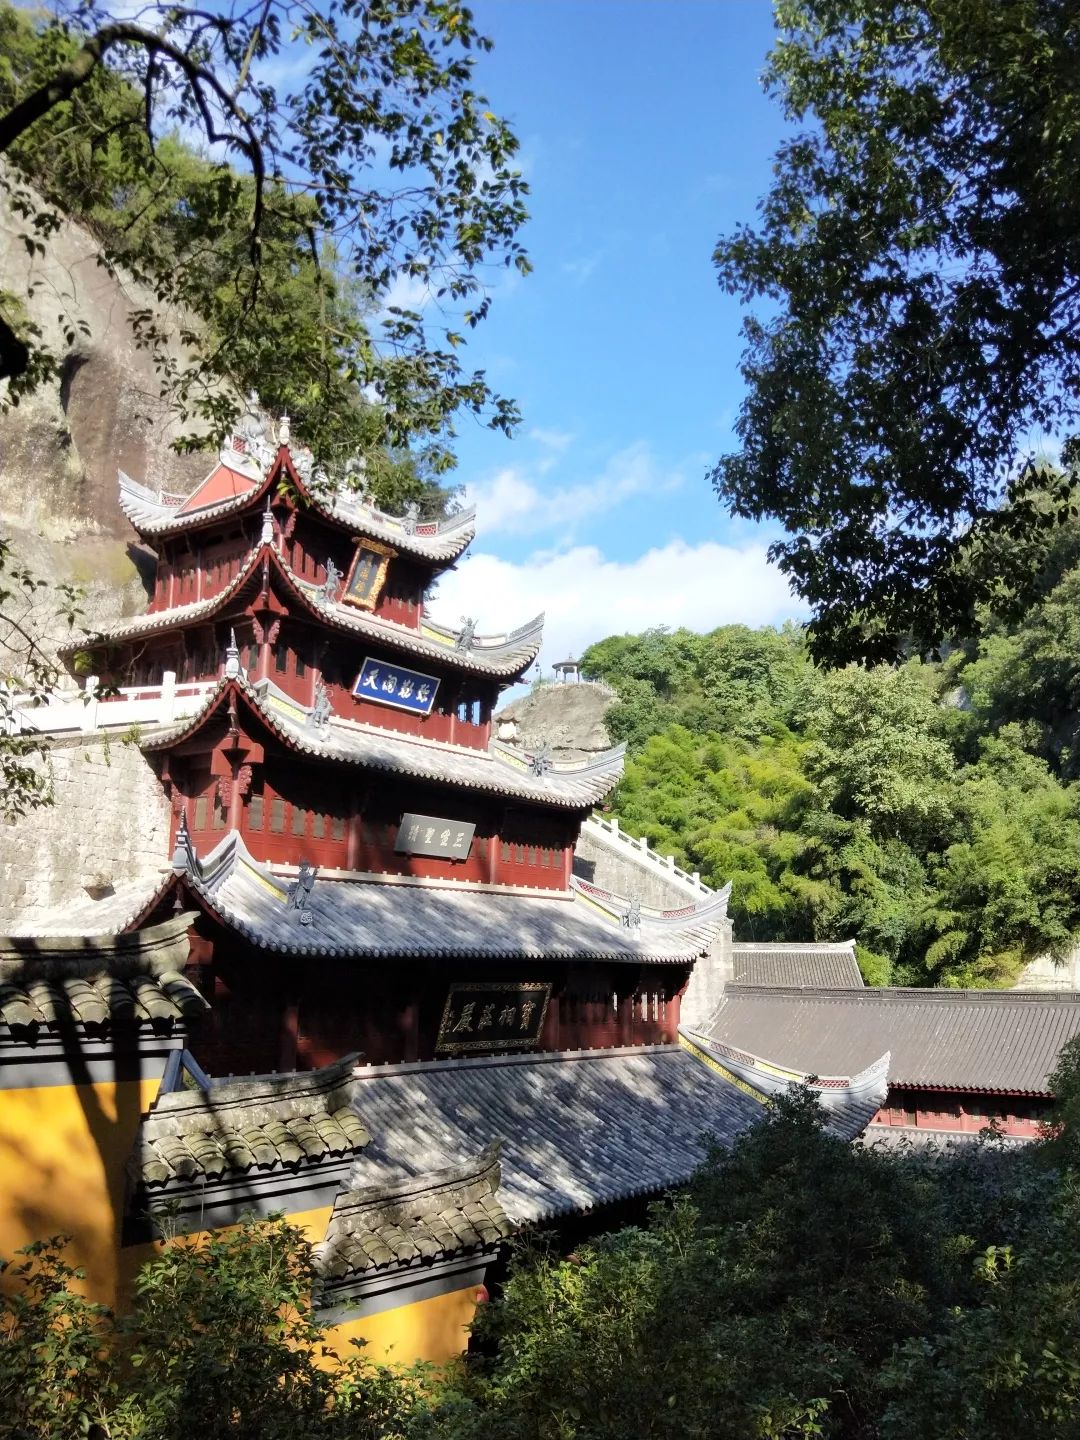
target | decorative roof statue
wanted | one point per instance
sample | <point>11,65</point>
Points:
<point>540,762</point>
<point>252,430</point>
<point>319,715</point>
<point>303,462</point>
<point>631,919</point>
<point>327,592</point>
<point>300,892</point>
<point>232,658</point>
<point>411,518</point>
<point>467,634</point>
<point>355,476</point>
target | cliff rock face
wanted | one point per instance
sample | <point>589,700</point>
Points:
<point>61,447</point>
<point>569,719</point>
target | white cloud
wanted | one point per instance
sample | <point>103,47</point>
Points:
<point>587,596</point>
<point>581,269</point>
<point>407,292</point>
<point>512,501</point>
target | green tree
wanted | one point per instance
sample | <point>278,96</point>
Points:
<point>376,160</point>
<point>917,260</point>
<point>221,1341</point>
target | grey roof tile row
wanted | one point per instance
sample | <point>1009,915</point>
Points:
<point>236,1126</point>
<point>352,917</point>
<point>580,1129</point>
<point>415,1221</point>
<point>48,985</point>
<point>823,965</point>
<point>990,1040</point>
<point>573,786</point>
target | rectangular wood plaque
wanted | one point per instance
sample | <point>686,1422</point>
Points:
<point>428,835</point>
<point>367,574</point>
<point>493,1017</point>
<point>388,684</point>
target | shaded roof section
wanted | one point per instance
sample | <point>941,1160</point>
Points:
<point>352,917</point>
<point>414,1221</point>
<point>849,1102</point>
<point>504,655</point>
<point>270,1122</point>
<point>580,1129</point>
<point>989,1040</point>
<point>134,981</point>
<point>154,514</point>
<point>822,966</point>
<point>576,785</point>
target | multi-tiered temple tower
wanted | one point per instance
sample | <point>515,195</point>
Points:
<point>370,869</point>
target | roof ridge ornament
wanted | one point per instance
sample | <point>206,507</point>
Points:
<point>299,898</point>
<point>327,592</point>
<point>232,658</point>
<point>631,918</point>
<point>321,711</point>
<point>467,634</point>
<point>540,761</point>
<point>268,524</point>
<point>283,430</point>
<point>183,856</point>
<point>411,518</point>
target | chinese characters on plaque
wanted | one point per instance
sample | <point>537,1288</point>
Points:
<point>493,1017</point>
<point>428,835</point>
<point>364,582</point>
<point>394,685</point>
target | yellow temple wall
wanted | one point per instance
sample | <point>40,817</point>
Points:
<point>436,1329</point>
<point>62,1154</point>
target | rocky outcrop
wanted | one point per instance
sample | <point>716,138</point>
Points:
<point>568,719</point>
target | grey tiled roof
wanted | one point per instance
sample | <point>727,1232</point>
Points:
<point>505,655</point>
<point>441,540</point>
<point>414,1221</point>
<point>996,1040</point>
<point>822,966</point>
<point>88,919</point>
<point>849,1102</point>
<point>130,981</point>
<point>352,917</point>
<point>580,1129</point>
<point>500,771</point>
<point>265,1123</point>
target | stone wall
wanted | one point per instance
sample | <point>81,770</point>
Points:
<point>108,824</point>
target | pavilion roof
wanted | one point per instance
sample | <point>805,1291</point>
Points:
<point>350,916</point>
<point>50,985</point>
<point>819,964</point>
<point>504,655</point>
<point>984,1040</point>
<point>573,785</point>
<point>154,514</point>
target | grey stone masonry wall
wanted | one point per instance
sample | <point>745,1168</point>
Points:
<point>108,824</point>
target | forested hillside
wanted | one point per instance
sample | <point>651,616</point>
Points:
<point>932,811</point>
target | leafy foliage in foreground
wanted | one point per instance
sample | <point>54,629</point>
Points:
<point>930,811</point>
<point>802,1288</point>
<point>799,1287</point>
<point>221,1343</point>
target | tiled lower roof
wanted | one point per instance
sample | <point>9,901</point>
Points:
<point>238,1126</point>
<point>580,1129</point>
<point>351,917</point>
<point>415,1221</point>
<point>127,981</point>
<point>821,966</point>
<point>988,1040</point>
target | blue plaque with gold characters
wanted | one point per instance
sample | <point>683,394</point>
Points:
<point>389,684</point>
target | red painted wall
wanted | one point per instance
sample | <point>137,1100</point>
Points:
<point>962,1112</point>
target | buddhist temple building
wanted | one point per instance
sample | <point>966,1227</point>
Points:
<point>301,935</point>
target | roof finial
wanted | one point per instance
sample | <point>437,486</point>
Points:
<point>283,430</point>
<point>268,524</point>
<point>232,658</point>
<point>181,856</point>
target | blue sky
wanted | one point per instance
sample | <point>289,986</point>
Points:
<point>645,134</point>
